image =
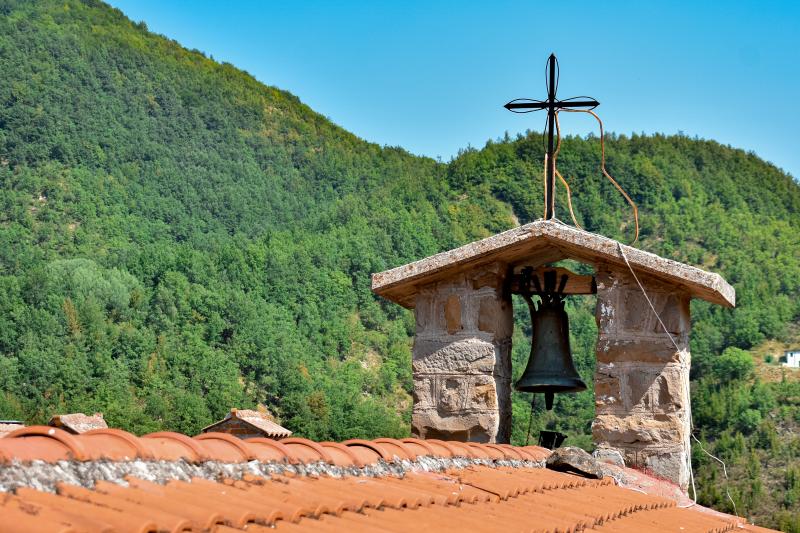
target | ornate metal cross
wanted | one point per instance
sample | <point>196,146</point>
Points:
<point>526,105</point>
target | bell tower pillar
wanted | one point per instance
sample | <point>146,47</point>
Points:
<point>462,358</point>
<point>641,380</point>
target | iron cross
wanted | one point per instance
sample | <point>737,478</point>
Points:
<point>526,105</point>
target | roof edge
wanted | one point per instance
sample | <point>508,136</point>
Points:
<point>576,243</point>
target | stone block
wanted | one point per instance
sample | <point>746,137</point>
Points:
<point>667,464</point>
<point>502,363</point>
<point>609,455</point>
<point>467,356</point>
<point>482,394</point>
<point>673,308</point>
<point>452,314</point>
<point>495,317</point>
<point>656,389</point>
<point>454,283</point>
<point>634,312</point>
<point>451,395</point>
<point>616,349</point>
<point>638,383</point>
<point>423,313</point>
<point>607,392</point>
<point>607,309</point>
<point>469,427</point>
<point>653,430</point>
<point>671,390</point>
<point>423,393</point>
<point>483,278</point>
<point>638,317</point>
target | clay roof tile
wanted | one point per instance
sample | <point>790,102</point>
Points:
<point>468,496</point>
<point>224,447</point>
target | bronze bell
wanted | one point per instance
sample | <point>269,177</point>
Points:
<point>550,368</point>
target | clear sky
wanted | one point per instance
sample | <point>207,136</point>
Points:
<point>432,77</point>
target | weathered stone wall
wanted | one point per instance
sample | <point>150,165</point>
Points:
<point>462,358</point>
<point>641,379</point>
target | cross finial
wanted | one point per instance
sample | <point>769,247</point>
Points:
<point>553,105</point>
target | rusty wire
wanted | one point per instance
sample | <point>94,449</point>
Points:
<point>602,169</point>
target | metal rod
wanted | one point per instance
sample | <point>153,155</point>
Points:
<point>552,105</point>
<point>560,104</point>
<point>551,117</point>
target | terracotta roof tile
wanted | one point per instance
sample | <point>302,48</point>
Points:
<point>173,446</point>
<point>200,517</point>
<point>271,450</point>
<point>110,480</point>
<point>224,447</point>
<point>396,448</point>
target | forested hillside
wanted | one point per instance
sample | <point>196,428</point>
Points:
<point>177,238</point>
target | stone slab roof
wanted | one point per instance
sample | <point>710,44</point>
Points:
<point>546,241</point>
<point>78,422</point>
<point>110,480</point>
<point>7,426</point>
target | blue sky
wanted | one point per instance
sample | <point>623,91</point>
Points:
<point>432,76</point>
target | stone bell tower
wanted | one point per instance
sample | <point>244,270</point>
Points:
<point>462,348</point>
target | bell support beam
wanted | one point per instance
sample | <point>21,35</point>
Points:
<point>576,284</point>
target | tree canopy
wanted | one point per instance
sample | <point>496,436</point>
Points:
<point>177,239</point>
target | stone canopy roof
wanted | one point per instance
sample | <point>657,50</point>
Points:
<point>547,241</point>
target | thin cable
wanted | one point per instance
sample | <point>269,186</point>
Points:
<point>530,419</point>
<point>557,173</point>
<point>544,133</point>
<point>646,297</point>
<point>688,403</point>
<point>605,172</point>
<point>573,98</point>
<point>525,100</point>
<point>724,471</point>
<point>544,184</point>
<point>547,76</point>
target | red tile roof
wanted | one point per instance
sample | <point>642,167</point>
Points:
<point>110,480</point>
<point>255,422</point>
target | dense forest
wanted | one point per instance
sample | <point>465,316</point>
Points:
<point>177,238</point>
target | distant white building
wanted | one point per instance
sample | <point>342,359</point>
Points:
<point>791,358</point>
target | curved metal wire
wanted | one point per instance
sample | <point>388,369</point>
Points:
<point>526,100</point>
<point>602,169</point>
